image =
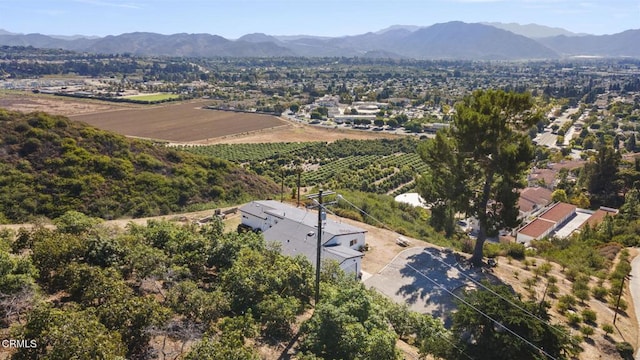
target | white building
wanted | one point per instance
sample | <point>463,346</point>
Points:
<point>549,221</point>
<point>296,231</point>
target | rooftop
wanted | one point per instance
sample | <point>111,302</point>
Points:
<point>574,224</point>
<point>559,212</point>
<point>599,215</point>
<point>537,227</point>
<point>533,197</point>
<point>298,215</point>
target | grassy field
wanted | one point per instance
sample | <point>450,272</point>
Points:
<point>153,97</point>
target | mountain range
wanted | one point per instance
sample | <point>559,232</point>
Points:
<point>451,40</point>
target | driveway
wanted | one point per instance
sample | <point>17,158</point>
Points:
<point>426,279</point>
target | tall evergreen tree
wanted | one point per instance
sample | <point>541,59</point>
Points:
<point>601,178</point>
<point>478,165</point>
<point>631,143</point>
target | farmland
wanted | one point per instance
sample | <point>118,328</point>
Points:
<point>183,122</point>
<point>135,120</point>
<point>382,166</point>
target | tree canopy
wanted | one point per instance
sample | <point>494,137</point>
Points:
<point>477,166</point>
<point>214,294</point>
<point>486,321</point>
<point>50,165</point>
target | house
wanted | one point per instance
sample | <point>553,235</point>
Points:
<point>533,199</point>
<point>549,221</point>
<point>296,229</point>
<point>559,213</point>
<point>598,216</point>
<point>542,177</point>
<point>537,229</point>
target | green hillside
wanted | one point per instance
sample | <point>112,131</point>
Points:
<point>50,164</point>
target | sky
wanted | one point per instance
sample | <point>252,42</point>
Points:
<point>234,18</point>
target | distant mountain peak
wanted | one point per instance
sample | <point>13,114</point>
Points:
<point>5,32</point>
<point>451,40</point>
<point>410,28</point>
<point>258,38</point>
<point>534,31</point>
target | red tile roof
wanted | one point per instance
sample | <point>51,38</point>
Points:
<point>548,176</point>
<point>531,196</point>
<point>571,164</point>
<point>559,212</point>
<point>598,216</point>
<point>537,227</point>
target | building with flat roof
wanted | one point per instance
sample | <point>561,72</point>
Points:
<point>559,213</point>
<point>296,229</point>
<point>546,223</point>
<point>561,220</point>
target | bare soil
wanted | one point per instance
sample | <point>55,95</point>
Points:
<point>56,105</point>
<point>599,346</point>
<point>296,132</point>
<point>179,122</point>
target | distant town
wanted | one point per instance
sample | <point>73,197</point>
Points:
<point>226,158</point>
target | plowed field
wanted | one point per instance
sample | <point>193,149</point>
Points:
<point>183,122</point>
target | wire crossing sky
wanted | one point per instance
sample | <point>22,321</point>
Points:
<point>234,18</point>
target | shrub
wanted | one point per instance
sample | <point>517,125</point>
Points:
<point>625,349</point>
<point>574,319</point>
<point>600,292</point>
<point>589,316</point>
<point>568,299</point>
<point>491,250</point>
<point>515,250</point>
<point>587,331</point>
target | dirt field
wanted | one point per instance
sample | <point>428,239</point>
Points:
<point>28,102</point>
<point>179,122</point>
<point>296,132</point>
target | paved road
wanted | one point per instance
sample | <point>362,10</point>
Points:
<point>634,287</point>
<point>548,139</point>
<point>425,278</point>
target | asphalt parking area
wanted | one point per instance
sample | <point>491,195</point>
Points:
<point>426,279</point>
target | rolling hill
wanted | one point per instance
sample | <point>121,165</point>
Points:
<point>50,164</point>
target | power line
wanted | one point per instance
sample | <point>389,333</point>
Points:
<point>364,212</point>
<point>504,298</point>
<point>484,314</point>
<point>476,282</point>
<point>467,276</point>
<point>461,351</point>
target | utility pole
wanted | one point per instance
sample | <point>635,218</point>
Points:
<point>319,247</point>
<point>319,237</point>
<point>282,187</point>
<point>299,171</point>
<point>619,296</point>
